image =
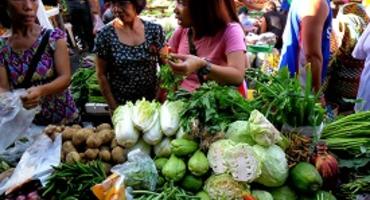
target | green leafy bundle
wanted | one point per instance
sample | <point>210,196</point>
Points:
<point>73,181</point>
<point>349,135</point>
<point>214,107</point>
<point>168,80</point>
<point>283,100</point>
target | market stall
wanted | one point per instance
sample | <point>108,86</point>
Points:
<point>211,144</point>
<point>280,143</point>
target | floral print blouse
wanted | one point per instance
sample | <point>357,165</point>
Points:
<point>55,109</point>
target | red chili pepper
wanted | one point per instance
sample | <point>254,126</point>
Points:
<point>248,197</point>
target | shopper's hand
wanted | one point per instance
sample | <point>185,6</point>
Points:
<point>32,97</point>
<point>187,64</point>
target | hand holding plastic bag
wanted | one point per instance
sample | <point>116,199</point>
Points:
<point>14,118</point>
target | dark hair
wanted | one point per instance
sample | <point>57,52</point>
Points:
<point>5,20</point>
<point>138,4</point>
<point>208,17</point>
<point>270,6</point>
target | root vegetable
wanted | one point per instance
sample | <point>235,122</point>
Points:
<point>104,126</point>
<point>50,129</point>
<point>54,135</point>
<point>93,141</point>
<point>80,136</point>
<point>73,157</point>
<point>118,155</point>
<point>82,155</point>
<point>114,144</point>
<point>91,154</point>
<point>68,133</point>
<point>68,147</point>
<point>76,126</point>
<point>59,129</point>
<point>105,155</point>
<point>106,135</point>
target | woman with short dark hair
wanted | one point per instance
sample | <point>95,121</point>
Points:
<point>210,43</point>
<point>127,55</point>
<point>36,59</point>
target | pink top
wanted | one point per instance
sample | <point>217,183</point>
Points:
<point>215,49</point>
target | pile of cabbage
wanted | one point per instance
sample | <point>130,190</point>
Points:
<point>250,153</point>
<point>146,124</point>
<point>252,150</point>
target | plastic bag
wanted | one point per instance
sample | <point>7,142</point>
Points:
<point>36,163</point>
<point>139,171</point>
<point>14,119</point>
<point>12,154</point>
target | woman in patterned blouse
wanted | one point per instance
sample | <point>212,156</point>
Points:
<point>127,55</point>
<point>48,84</point>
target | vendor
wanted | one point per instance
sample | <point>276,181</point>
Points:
<point>47,79</point>
<point>128,52</point>
<point>306,39</point>
<point>209,43</point>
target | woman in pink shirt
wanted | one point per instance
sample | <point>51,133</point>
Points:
<point>209,43</point>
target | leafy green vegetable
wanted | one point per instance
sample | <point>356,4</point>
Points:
<point>73,181</point>
<point>144,114</point>
<point>79,86</point>
<point>215,107</point>
<point>274,165</point>
<point>168,80</point>
<point>282,100</point>
<point>239,132</point>
<point>262,131</point>
<point>170,117</point>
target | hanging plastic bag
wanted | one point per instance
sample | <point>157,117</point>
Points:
<point>14,118</point>
<point>36,163</point>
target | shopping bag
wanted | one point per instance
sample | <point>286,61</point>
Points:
<point>14,118</point>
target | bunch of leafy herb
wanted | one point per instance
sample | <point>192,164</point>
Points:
<point>213,107</point>
<point>79,86</point>
<point>73,181</point>
<point>283,100</point>
<point>168,80</point>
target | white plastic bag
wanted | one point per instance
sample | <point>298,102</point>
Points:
<point>36,163</point>
<point>14,118</point>
<point>13,154</point>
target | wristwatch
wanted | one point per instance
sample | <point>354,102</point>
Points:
<point>204,71</point>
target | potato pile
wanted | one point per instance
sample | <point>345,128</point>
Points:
<point>87,144</point>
